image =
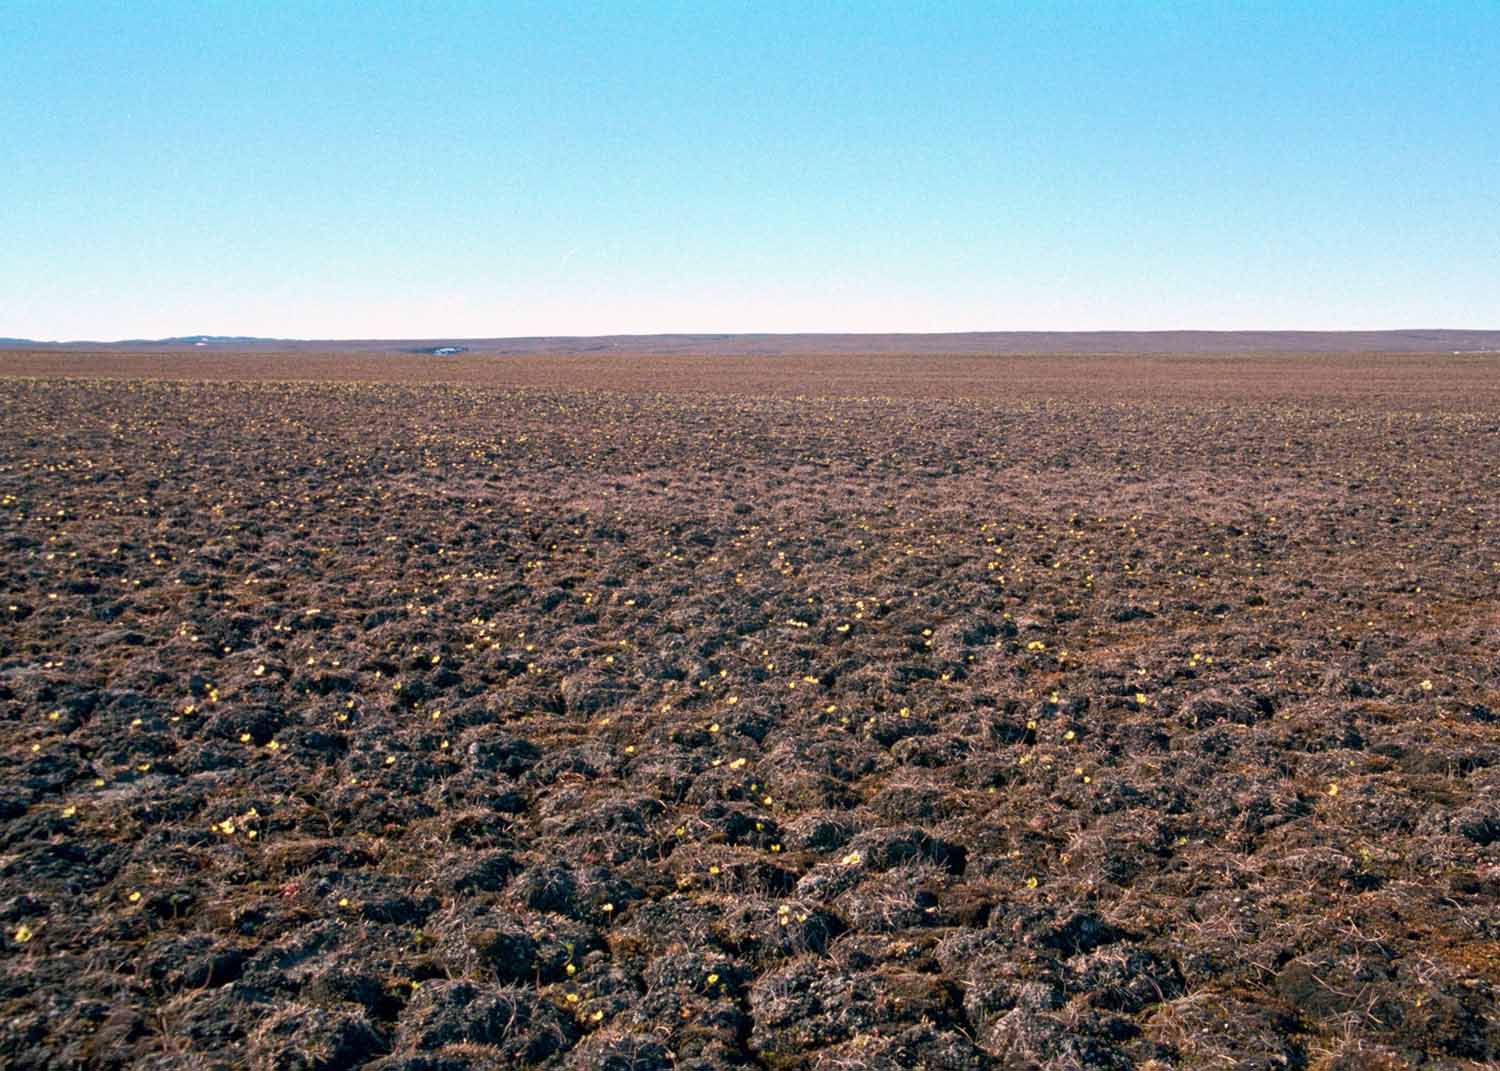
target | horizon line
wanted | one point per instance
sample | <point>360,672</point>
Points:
<point>971,333</point>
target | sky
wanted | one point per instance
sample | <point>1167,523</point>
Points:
<point>403,170</point>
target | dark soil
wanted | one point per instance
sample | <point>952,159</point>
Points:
<point>430,727</point>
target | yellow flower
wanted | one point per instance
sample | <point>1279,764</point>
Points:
<point>23,934</point>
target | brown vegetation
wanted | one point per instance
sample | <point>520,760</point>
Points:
<point>854,713</point>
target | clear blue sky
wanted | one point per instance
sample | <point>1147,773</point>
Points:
<point>402,170</point>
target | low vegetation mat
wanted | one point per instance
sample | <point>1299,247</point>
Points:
<point>436,726</point>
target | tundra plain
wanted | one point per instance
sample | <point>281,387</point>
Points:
<point>789,712</point>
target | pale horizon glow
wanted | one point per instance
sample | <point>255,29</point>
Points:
<point>347,171</point>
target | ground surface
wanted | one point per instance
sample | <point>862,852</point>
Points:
<point>853,713</point>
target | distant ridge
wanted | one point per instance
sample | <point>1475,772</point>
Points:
<point>197,339</point>
<point>136,343</point>
<point>967,343</point>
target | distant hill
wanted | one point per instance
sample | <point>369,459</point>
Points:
<point>205,339</point>
<point>139,343</point>
<point>969,343</point>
